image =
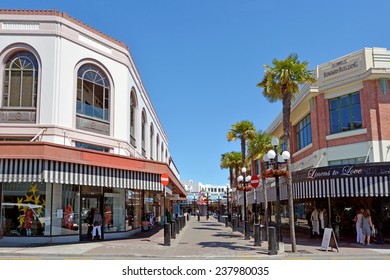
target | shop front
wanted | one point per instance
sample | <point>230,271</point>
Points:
<point>50,201</point>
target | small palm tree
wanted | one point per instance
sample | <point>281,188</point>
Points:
<point>257,148</point>
<point>243,130</point>
<point>231,161</point>
<point>281,82</point>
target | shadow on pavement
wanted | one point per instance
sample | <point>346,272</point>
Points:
<point>225,245</point>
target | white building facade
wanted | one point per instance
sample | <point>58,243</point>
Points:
<point>77,123</point>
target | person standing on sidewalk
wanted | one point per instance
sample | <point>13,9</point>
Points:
<point>367,226</point>
<point>97,224</point>
<point>359,226</point>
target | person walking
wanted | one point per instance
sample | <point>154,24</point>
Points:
<point>367,226</point>
<point>97,224</point>
<point>359,226</point>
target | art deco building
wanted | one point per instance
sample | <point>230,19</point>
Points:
<point>77,130</point>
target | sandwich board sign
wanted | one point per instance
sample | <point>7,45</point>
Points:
<point>329,240</point>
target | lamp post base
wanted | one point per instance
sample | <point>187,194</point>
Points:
<point>246,230</point>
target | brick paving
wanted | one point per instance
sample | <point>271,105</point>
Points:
<point>197,240</point>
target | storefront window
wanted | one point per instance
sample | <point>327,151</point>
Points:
<point>114,210</point>
<point>66,209</point>
<point>24,209</point>
<point>133,209</point>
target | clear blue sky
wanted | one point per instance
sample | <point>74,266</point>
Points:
<point>200,60</point>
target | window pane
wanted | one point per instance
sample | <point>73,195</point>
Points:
<point>356,116</point>
<point>344,101</point>
<point>355,98</point>
<point>345,119</point>
<point>28,85</point>
<point>334,104</point>
<point>15,88</point>
<point>334,121</point>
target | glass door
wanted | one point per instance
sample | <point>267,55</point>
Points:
<point>87,203</point>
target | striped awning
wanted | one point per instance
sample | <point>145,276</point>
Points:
<point>377,186</point>
<point>37,170</point>
<point>368,180</point>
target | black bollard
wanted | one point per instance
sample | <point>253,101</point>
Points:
<point>198,217</point>
<point>167,234</point>
<point>226,221</point>
<point>246,230</point>
<point>173,229</point>
<point>272,250</point>
<point>177,226</point>
<point>188,217</point>
<point>234,224</point>
<point>257,233</point>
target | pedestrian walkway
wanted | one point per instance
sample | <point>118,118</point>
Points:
<point>204,239</point>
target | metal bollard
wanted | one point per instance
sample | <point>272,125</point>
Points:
<point>167,234</point>
<point>198,217</point>
<point>226,221</point>
<point>188,217</point>
<point>257,233</point>
<point>184,221</point>
<point>234,224</point>
<point>173,229</point>
<point>177,226</point>
<point>272,249</point>
<point>246,230</point>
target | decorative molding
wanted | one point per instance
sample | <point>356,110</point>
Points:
<point>95,44</point>
<point>19,26</point>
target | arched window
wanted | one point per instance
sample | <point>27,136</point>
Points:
<point>133,105</point>
<point>143,133</point>
<point>151,140</point>
<point>93,93</point>
<point>162,151</point>
<point>157,146</point>
<point>20,86</point>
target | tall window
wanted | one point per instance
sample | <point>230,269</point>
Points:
<point>345,113</point>
<point>21,81</point>
<point>143,133</point>
<point>151,140</point>
<point>157,146</point>
<point>93,93</point>
<point>133,104</point>
<point>303,132</point>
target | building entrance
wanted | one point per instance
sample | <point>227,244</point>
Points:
<point>91,198</point>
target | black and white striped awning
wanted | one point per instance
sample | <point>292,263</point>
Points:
<point>37,170</point>
<point>368,180</point>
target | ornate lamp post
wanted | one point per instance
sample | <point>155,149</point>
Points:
<point>244,180</point>
<point>207,207</point>
<point>227,202</point>
<point>273,159</point>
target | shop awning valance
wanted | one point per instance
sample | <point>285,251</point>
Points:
<point>365,180</point>
<point>39,170</point>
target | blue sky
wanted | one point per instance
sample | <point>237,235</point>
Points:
<point>200,60</point>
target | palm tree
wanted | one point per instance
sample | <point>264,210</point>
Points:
<point>231,161</point>
<point>281,82</point>
<point>257,148</point>
<point>243,130</point>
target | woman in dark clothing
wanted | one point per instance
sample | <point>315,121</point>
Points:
<point>90,222</point>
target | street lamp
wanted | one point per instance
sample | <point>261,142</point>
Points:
<point>272,158</point>
<point>194,204</point>
<point>243,181</point>
<point>227,202</point>
<point>207,207</point>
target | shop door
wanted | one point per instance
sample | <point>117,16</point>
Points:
<point>87,203</point>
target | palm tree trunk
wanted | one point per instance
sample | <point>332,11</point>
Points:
<point>287,132</point>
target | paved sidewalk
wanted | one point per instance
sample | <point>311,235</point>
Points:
<point>197,240</point>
